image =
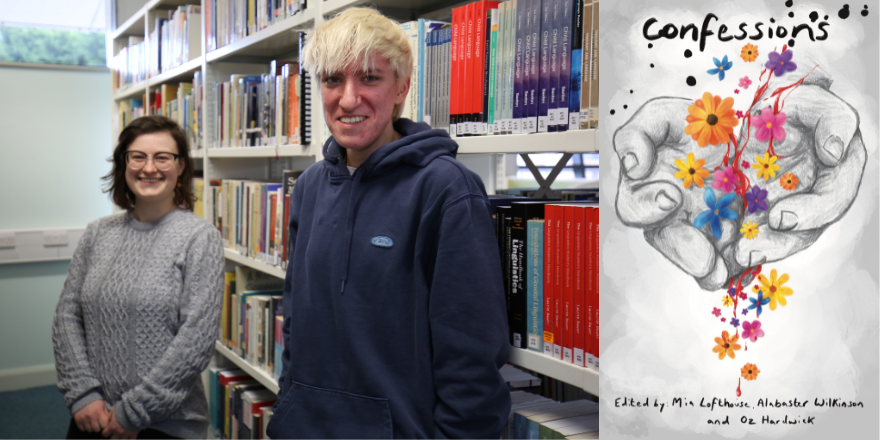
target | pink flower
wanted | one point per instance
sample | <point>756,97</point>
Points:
<point>745,82</point>
<point>736,91</point>
<point>752,330</point>
<point>723,319</point>
<point>739,114</point>
<point>724,179</point>
<point>716,311</point>
<point>769,124</point>
<point>745,164</point>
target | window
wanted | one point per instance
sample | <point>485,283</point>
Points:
<point>53,32</point>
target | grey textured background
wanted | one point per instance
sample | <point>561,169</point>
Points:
<point>656,326</point>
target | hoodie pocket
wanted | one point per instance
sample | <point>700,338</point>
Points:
<point>312,412</point>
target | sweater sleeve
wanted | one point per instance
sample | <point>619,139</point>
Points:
<point>76,381</point>
<point>162,391</point>
<point>468,321</point>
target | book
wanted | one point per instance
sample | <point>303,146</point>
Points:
<point>519,48</point>
<point>520,214</point>
<point>535,284</point>
<point>550,225</point>
<point>564,96</point>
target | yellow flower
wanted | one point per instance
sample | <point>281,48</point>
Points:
<point>711,120</point>
<point>691,172</point>
<point>774,289</point>
<point>749,230</point>
<point>727,301</point>
<point>726,345</point>
<point>750,371</point>
<point>765,166</point>
<point>749,53</point>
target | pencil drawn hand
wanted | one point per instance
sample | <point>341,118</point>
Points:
<point>823,148</point>
<point>651,198</point>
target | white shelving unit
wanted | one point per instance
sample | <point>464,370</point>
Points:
<point>280,41</point>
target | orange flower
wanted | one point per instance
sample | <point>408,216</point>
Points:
<point>711,120</point>
<point>727,345</point>
<point>789,181</point>
<point>750,371</point>
<point>749,53</point>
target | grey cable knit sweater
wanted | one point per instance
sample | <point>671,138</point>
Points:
<point>137,319</point>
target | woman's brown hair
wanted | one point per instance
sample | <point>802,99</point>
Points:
<point>118,188</point>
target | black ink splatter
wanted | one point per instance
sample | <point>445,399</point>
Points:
<point>843,13</point>
<point>788,3</point>
<point>865,11</point>
<point>687,53</point>
<point>791,42</point>
<point>691,81</point>
<point>624,107</point>
<point>650,45</point>
<point>814,16</point>
<point>772,20</point>
<point>612,112</point>
<point>652,65</point>
<point>791,14</point>
<point>630,91</point>
<point>826,18</point>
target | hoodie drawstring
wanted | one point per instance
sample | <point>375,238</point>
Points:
<point>349,228</point>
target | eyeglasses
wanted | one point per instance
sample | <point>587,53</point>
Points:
<point>163,161</point>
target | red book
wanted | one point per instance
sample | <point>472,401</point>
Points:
<point>468,103</point>
<point>453,70</point>
<point>549,252</point>
<point>558,273</point>
<point>479,49</point>
<point>594,273</point>
<point>578,271</point>
<point>567,287</point>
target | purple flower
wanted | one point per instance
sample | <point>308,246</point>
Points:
<point>725,180</point>
<point>721,67</point>
<point>734,322</point>
<point>752,330</point>
<point>757,199</point>
<point>745,312</point>
<point>732,292</point>
<point>781,63</point>
<point>769,124</point>
<point>716,212</point>
<point>716,311</point>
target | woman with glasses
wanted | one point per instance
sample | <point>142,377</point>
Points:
<point>139,311</point>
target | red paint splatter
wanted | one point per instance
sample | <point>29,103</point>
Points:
<point>738,391</point>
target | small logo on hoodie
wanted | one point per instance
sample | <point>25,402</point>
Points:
<point>382,241</point>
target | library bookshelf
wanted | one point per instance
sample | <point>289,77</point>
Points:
<point>251,55</point>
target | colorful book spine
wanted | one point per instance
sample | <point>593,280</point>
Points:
<point>549,270</point>
<point>565,31</point>
<point>535,284</point>
<point>577,56</point>
<point>553,90</point>
<point>518,67</point>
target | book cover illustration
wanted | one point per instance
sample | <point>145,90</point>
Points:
<point>741,250</point>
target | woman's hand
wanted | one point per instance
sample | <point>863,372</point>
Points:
<point>115,430</point>
<point>93,417</point>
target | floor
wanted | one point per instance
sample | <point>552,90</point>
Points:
<point>33,413</point>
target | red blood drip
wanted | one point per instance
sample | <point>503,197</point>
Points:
<point>738,383</point>
<point>747,347</point>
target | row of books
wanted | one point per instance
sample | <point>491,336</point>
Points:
<point>250,322</point>
<point>128,65</point>
<point>263,110</point>
<point>536,417</point>
<point>227,21</point>
<point>181,102</point>
<point>239,407</point>
<point>549,261</point>
<point>176,39</point>
<point>523,66</point>
<point>250,215</point>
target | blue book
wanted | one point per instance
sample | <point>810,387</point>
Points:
<point>535,284</point>
<point>564,96</point>
<point>544,84</point>
<point>577,57</point>
<point>556,20</point>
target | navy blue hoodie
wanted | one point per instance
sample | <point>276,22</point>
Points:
<point>395,320</point>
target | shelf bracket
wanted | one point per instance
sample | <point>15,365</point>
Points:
<point>544,190</point>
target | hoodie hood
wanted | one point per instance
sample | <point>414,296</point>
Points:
<point>419,145</point>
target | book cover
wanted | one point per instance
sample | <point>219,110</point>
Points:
<point>535,284</point>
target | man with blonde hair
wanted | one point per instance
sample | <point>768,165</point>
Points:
<point>394,312</point>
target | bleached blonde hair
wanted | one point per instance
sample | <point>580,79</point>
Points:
<point>354,36</point>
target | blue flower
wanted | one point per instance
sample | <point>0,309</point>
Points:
<point>721,67</point>
<point>716,212</point>
<point>758,303</point>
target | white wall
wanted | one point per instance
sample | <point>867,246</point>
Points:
<point>54,142</point>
